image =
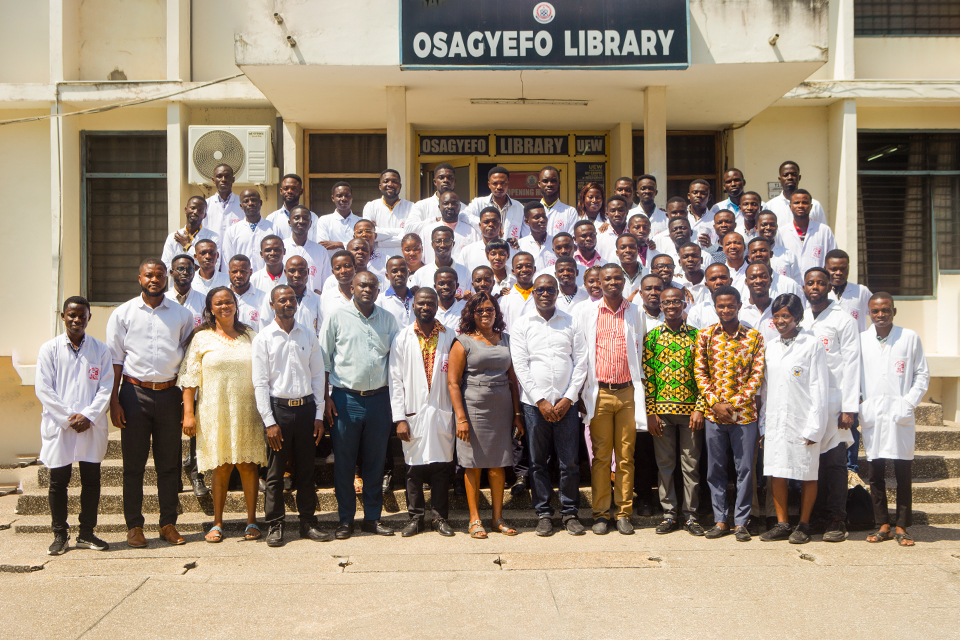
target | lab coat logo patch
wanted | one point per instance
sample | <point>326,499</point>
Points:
<point>817,252</point>
<point>197,321</point>
<point>93,373</point>
<point>901,366</point>
<point>559,225</point>
<point>444,364</point>
<point>856,314</point>
<point>826,342</point>
<point>313,271</point>
<point>797,372</point>
<point>254,316</point>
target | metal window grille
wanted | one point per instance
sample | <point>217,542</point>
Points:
<point>916,18</point>
<point>356,157</point>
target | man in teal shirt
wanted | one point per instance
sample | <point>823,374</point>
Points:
<point>355,341</point>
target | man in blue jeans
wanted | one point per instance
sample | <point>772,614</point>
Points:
<point>356,342</point>
<point>550,360</point>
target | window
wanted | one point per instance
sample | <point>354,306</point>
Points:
<point>124,209</point>
<point>690,155</point>
<point>908,18</point>
<point>908,209</point>
<point>356,157</point>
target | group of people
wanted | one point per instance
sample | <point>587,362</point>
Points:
<point>680,346</point>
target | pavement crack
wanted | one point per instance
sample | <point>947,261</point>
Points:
<point>122,600</point>
<point>552,594</point>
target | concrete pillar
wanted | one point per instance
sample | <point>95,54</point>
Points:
<point>292,137</point>
<point>178,40</point>
<point>842,159</point>
<point>398,138</point>
<point>737,144</point>
<point>64,40</point>
<point>178,119</point>
<point>621,152</point>
<point>655,138</point>
<point>841,62</point>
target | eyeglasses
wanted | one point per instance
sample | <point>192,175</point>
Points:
<point>550,291</point>
<point>671,303</point>
<point>486,311</point>
<point>185,269</point>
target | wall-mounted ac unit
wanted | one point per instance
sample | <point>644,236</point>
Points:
<point>249,150</point>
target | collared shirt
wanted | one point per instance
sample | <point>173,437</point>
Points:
<point>543,255</point>
<point>451,317</point>
<point>332,299</point>
<point>671,385</point>
<point>475,255</point>
<point>428,347</point>
<point>149,342</point>
<point>219,279</point>
<point>172,248</point>
<point>390,221</point>
<point>280,219</point>
<point>560,217</point>
<point>650,321</point>
<point>811,250</point>
<point>729,369</point>
<point>583,262</point>
<point>549,357</point>
<point>356,348</point>
<point>194,301</point>
<point>286,365</point>
<point>612,364</point>
<point>318,264</point>
<point>249,305</point>
<point>781,206</point>
<point>424,277</point>
<point>400,307</point>
<point>854,300</point>
<point>511,215</point>
<point>309,313</point>
<point>263,280</point>
<point>242,239</point>
<point>332,227</point>
<point>223,214</point>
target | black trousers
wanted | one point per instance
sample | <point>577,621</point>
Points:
<point>437,474</point>
<point>153,417</point>
<point>296,427</point>
<point>903,470</point>
<point>832,484</point>
<point>89,496</point>
<point>521,456</point>
<point>646,472</point>
<point>190,462</point>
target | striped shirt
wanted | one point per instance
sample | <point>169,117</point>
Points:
<point>612,365</point>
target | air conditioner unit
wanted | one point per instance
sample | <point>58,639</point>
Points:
<point>249,150</point>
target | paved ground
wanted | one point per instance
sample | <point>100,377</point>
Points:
<point>645,585</point>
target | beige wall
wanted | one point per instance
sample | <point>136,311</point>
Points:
<point>19,419</point>
<point>214,24</point>
<point>25,37</point>
<point>906,117</point>
<point>129,35</point>
<point>907,58</point>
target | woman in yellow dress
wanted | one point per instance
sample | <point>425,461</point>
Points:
<point>217,371</point>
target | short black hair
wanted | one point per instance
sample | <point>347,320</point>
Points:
<point>651,275</point>
<point>677,219</point>
<point>699,181</point>
<point>562,234</point>
<point>765,212</point>
<point>386,171</point>
<point>294,176</point>
<point>628,236</point>
<point>152,262</point>
<point>490,209</point>
<point>624,179</point>
<point>735,169</point>
<point>480,268</point>
<point>498,169</point>
<point>181,256</point>
<point>441,229</point>
<point>689,245</point>
<point>272,236</point>
<point>530,206</point>
<point>78,300</point>
<point>497,244</point>
<point>521,253</point>
<point>239,258</point>
<point>443,165</point>
<point>443,270</point>
<point>273,292</point>
<point>726,290</point>
<point>801,192</point>
<point>837,254</point>
<point>616,198</point>
<point>565,260</point>
<point>646,176</point>
<point>761,239</point>
<point>826,274</point>
<point>224,164</point>
<point>205,240</point>
<point>200,198</point>
<point>343,253</point>
<point>582,223</point>
<point>411,236</point>
<point>427,290</point>
<point>340,184</point>
<point>678,199</point>
<point>791,303</point>
<point>725,211</point>
<point>881,295</point>
<point>785,163</point>
<point>752,193</point>
<point>549,168</point>
<point>728,234</point>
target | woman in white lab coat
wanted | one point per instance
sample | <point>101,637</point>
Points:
<point>794,410</point>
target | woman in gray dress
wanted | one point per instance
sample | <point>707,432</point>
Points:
<point>486,401</point>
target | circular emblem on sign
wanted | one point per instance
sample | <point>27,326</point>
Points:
<point>531,180</point>
<point>544,12</point>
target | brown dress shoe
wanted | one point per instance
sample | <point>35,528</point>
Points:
<point>171,535</point>
<point>135,538</point>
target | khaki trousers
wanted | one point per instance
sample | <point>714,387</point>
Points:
<point>613,432</point>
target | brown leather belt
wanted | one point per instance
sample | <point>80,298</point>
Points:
<point>371,392</point>
<point>155,386</point>
<point>615,386</point>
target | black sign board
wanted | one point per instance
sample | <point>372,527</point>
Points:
<point>591,145</point>
<point>533,145</point>
<point>453,145</point>
<point>590,172</point>
<point>565,34</point>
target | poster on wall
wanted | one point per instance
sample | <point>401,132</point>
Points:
<point>523,186</point>
<point>590,172</point>
<point>562,34</point>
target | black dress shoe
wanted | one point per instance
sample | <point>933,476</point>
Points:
<point>387,482</point>
<point>275,535</point>
<point>519,488</point>
<point>412,528</point>
<point>287,484</point>
<point>309,530</point>
<point>443,527</point>
<point>375,526</point>
<point>716,531</point>
<point>624,526</point>
<point>753,525</point>
<point>199,488</point>
<point>344,531</point>
<point>600,526</point>
<point>645,510</point>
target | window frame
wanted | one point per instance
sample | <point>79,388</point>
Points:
<point>718,160</point>
<point>934,253</point>
<point>896,35</point>
<point>307,175</point>
<point>84,220</point>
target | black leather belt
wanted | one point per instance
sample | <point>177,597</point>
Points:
<point>371,392</point>
<point>292,402</point>
<point>615,386</point>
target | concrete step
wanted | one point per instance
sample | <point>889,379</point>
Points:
<point>939,438</point>
<point>928,464</point>
<point>930,490</point>
<point>929,414</point>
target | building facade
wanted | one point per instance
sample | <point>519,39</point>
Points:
<point>863,94</point>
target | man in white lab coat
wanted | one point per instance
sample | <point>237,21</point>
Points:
<point>893,380</point>
<point>808,239</point>
<point>73,384</point>
<point>390,212</point>
<point>421,407</point>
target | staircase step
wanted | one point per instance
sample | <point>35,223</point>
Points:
<point>929,414</point>
<point>941,438</point>
<point>929,490</point>
<point>928,464</point>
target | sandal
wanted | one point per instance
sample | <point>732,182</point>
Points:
<point>251,535</point>
<point>216,532</point>
<point>901,537</point>
<point>880,536</point>
<point>477,531</point>
<point>358,485</point>
<point>501,526</point>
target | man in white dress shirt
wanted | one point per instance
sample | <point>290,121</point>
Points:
<point>182,293</point>
<point>616,210</point>
<point>789,176</point>
<point>444,179</point>
<point>560,216</point>
<point>249,298</point>
<point>223,207</point>
<point>146,336</point>
<point>289,385</point>
<point>208,276</point>
<point>538,243</point>
<point>397,298</point>
<point>625,188</point>
<point>421,407</point>
<point>273,256</point>
<point>474,254</point>
<point>73,383</point>
<point>335,230</point>
<point>692,276</point>
<point>446,215</point>
<point>646,193</point>
<point>510,212</point>
<point>377,262</point>
<point>443,244</point>
<point>550,359</point>
<point>734,184</point>
<point>571,292</point>
<point>750,206</point>
<point>627,254</point>
<point>837,331</point>
<point>309,313</point>
<point>808,239</point>
<point>703,314</point>
<point>300,244</point>
<point>340,293</point>
<point>734,250</point>
<point>651,286</point>
<point>518,302</point>
<point>699,215</point>
<point>291,188</point>
<point>894,378</point>
<point>245,236</point>
<point>390,212</point>
<point>757,311</point>
<point>185,240</point>
<point>446,282</point>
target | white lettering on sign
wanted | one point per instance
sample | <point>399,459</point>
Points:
<point>518,44</point>
<point>510,43</point>
<point>475,44</point>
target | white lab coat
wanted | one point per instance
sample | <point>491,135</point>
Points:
<point>428,411</point>
<point>635,330</point>
<point>893,380</point>
<point>855,300</point>
<point>812,250</point>
<point>794,407</point>
<point>69,383</point>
